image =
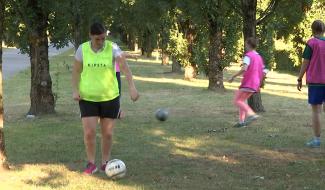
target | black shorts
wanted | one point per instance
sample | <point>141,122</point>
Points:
<point>118,77</point>
<point>107,109</point>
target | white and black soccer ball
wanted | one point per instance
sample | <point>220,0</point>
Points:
<point>161,114</point>
<point>115,169</point>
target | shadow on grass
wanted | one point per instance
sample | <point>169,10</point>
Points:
<point>51,179</point>
<point>281,84</point>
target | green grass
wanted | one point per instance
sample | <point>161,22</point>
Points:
<point>180,153</point>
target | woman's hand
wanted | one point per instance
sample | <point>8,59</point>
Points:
<point>76,95</point>
<point>134,94</point>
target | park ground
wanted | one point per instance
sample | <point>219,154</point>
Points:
<point>195,149</point>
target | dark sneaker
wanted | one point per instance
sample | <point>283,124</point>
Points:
<point>251,118</point>
<point>313,144</point>
<point>240,125</point>
<point>90,168</point>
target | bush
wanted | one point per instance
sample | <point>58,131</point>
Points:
<point>283,62</point>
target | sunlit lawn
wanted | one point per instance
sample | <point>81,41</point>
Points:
<point>196,148</point>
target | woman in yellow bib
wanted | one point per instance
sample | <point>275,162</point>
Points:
<point>95,87</point>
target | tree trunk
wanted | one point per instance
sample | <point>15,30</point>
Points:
<point>176,66</point>
<point>124,37</point>
<point>187,27</point>
<point>142,51</point>
<point>41,96</point>
<point>149,53</point>
<point>164,57</point>
<point>249,30</point>
<point>3,157</point>
<point>249,18</point>
<point>190,72</point>
<point>256,101</point>
<point>147,44</point>
<point>131,42</point>
<point>136,45</point>
<point>215,69</point>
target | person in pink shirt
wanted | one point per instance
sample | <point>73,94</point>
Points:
<point>253,74</point>
<point>314,66</point>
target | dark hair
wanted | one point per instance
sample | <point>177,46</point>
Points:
<point>252,42</point>
<point>97,28</point>
<point>318,27</point>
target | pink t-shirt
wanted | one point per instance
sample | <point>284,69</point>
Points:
<point>253,75</point>
<point>117,67</point>
<point>316,68</point>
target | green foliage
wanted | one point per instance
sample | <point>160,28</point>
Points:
<point>65,19</point>
<point>302,32</point>
<point>231,39</point>
<point>15,32</point>
<point>21,21</point>
<point>295,29</point>
<point>201,50</point>
<point>289,25</point>
<point>206,15</point>
<point>142,19</point>
<point>283,62</point>
<point>78,16</point>
<point>266,45</point>
<point>178,46</point>
<point>152,25</point>
<point>167,23</point>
